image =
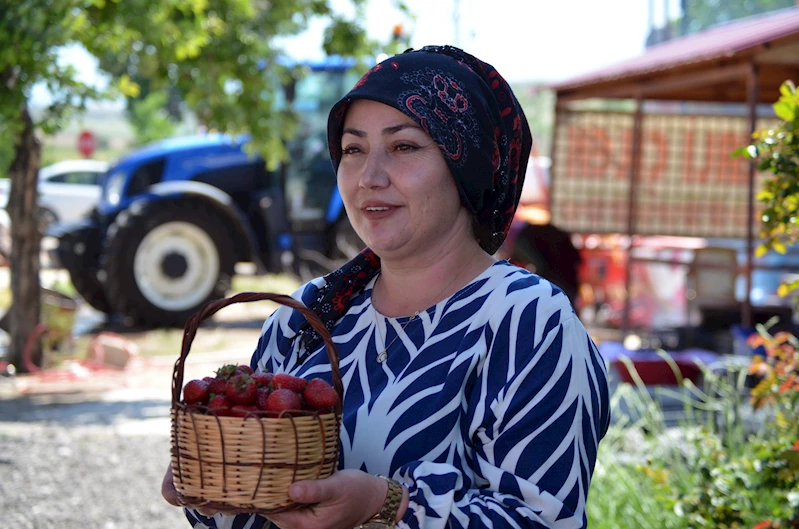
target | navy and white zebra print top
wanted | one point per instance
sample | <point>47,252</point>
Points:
<point>489,408</point>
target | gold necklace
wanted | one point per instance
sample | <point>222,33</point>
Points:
<point>383,355</point>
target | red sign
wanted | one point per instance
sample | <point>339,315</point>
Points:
<point>86,143</point>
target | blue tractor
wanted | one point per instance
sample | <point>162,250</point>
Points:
<point>176,216</point>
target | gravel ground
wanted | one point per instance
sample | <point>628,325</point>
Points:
<point>91,454</point>
<point>84,464</point>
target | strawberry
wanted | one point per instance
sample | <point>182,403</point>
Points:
<point>319,394</point>
<point>195,392</point>
<point>226,371</point>
<point>241,389</point>
<point>260,397</point>
<point>283,400</point>
<point>244,369</point>
<point>220,405</point>
<point>244,411</point>
<point>262,380</point>
<point>284,380</point>
<point>217,386</point>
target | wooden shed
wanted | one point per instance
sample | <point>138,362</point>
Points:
<point>661,164</point>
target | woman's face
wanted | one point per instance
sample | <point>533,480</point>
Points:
<point>399,194</point>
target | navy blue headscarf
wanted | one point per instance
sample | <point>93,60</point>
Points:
<point>472,114</point>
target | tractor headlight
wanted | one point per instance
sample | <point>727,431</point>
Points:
<point>113,188</point>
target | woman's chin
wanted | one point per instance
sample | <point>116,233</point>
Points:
<point>385,246</point>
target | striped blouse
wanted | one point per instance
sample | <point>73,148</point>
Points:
<point>489,407</point>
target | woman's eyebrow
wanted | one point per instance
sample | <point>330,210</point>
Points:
<point>396,128</point>
<point>354,132</point>
<point>386,131</point>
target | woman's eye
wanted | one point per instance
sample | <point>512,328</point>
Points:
<point>406,147</point>
<point>350,150</point>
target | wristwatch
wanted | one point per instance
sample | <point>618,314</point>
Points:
<point>387,517</point>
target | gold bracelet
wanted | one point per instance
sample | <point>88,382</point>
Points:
<point>387,517</point>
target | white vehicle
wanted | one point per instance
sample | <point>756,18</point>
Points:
<point>68,190</point>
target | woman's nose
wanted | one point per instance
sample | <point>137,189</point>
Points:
<point>375,174</point>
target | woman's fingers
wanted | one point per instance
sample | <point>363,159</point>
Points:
<point>168,490</point>
<point>170,494</point>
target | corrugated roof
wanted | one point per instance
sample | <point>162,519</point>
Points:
<point>726,40</point>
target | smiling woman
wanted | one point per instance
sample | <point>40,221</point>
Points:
<point>473,395</point>
<point>396,186</point>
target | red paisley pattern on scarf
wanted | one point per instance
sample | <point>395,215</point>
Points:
<point>442,108</point>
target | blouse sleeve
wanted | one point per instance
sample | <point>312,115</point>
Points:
<point>536,415</point>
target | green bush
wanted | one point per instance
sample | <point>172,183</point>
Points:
<point>776,151</point>
<point>733,462</point>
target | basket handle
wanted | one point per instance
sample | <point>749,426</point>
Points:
<point>211,308</point>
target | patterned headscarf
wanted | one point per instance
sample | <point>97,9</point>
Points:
<point>472,114</point>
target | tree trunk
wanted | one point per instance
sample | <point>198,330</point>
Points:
<point>25,243</point>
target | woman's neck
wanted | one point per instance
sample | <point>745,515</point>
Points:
<point>407,287</point>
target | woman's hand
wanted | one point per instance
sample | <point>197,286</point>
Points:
<point>344,500</point>
<point>170,494</point>
<point>168,490</point>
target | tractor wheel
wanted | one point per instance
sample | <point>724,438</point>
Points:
<point>162,262</point>
<point>45,218</point>
<point>90,289</point>
<point>78,253</point>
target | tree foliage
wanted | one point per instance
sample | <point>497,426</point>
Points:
<point>218,56</point>
<point>701,14</point>
<point>776,151</point>
<point>221,57</point>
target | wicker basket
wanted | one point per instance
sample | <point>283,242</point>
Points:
<point>236,464</point>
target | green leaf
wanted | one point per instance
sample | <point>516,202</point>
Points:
<point>786,288</point>
<point>764,195</point>
<point>740,151</point>
<point>788,89</point>
<point>785,111</point>
<point>791,456</point>
<point>127,87</point>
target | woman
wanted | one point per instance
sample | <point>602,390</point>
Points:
<point>470,382</point>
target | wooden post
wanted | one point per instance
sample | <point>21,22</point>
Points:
<point>632,203</point>
<point>746,309</point>
<point>553,156</point>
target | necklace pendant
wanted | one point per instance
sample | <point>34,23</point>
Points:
<point>382,357</point>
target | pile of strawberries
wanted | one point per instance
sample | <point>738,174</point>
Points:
<point>239,392</point>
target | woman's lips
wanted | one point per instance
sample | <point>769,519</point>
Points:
<point>377,212</point>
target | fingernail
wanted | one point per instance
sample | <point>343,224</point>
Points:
<point>297,492</point>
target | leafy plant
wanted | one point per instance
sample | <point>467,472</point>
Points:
<point>732,460</point>
<point>149,119</point>
<point>776,151</point>
<point>734,476</point>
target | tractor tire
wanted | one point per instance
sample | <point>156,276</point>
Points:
<point>90,290</point>
<point>45,218</point>
<point>78,252</point>
<point>164,260</point>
